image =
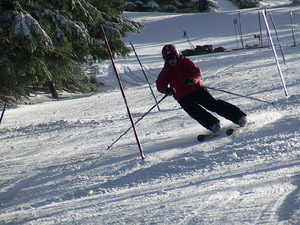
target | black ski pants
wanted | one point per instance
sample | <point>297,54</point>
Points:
<point>195,103</point>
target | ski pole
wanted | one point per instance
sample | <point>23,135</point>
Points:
<point>2,114</point>
<point>191,83</point>
<point>144,74</point>
<point>137,122</point>
<point>243,96</point>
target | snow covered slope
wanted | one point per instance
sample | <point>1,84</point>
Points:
<point>55,167</point>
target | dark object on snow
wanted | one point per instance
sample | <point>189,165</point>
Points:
<point>205,49</point>
<point>52,89</point>
<point>219,49</point>
<point>188,52</point>
<point>203,5</point>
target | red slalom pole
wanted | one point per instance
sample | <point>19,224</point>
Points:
<point>121,88</point>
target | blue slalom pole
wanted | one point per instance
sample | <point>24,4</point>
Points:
<point>292,25</point>
<point>277,38</point>
<point>144,74</point>
<point>2,114</point>
<point>137,122</point>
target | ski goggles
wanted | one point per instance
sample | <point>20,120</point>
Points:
<point>170,56</point>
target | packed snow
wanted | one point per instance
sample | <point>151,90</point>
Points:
<point>55,167</point>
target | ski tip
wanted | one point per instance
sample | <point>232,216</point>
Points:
<point>201,137</point>
<point>229,131</point>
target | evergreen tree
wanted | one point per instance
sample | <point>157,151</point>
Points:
<point>43,42</point>
<point>248,3</point>
<point>185,6</point>
<point>181,6</point>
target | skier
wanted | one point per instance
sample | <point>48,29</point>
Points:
<point>181,78</point>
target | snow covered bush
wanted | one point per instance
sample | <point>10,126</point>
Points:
<point>43,43</point>
<point>248,3</point>
<point>152,5</point>
<point>162,5</point>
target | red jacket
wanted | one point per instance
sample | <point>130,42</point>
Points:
<point>176,76</point>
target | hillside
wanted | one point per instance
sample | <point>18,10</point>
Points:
<point>55,167</point>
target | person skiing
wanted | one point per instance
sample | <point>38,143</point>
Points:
<point>181,78</point>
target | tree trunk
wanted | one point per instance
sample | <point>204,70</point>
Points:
<point>52,89</point>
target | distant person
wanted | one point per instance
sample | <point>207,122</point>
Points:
<point>181,78</point>
<point>203,5</point>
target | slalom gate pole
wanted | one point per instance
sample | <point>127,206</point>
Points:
<point>283,58</point>
<point>268,38</point>
<point>2,114</point>
<point>260,30</point>
<point>144,74</point>
<point>122,91</point>
<point>243,96</point>
<point>234,25</point>
<point>275,54</point>
<point>240,27</point>
<point>137,122</point>
<point>188,40</point>
<point>292,24</point>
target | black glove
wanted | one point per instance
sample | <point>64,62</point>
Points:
<point>169,91</point>
<point>190,82</point>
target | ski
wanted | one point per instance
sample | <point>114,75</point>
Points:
<point>208,136</point>
<point>205,137</point>
<point>232,131</point>
<point>236,130</point>
<point>229,131</point>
